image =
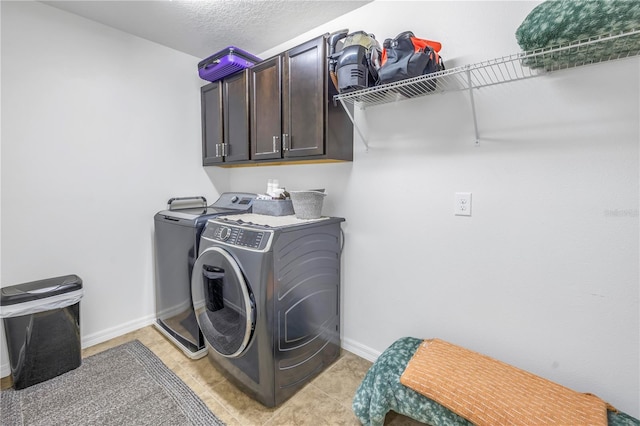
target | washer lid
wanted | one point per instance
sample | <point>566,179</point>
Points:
<point>228,203</point>
<point>194,212</point>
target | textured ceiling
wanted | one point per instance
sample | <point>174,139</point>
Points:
<point>201,28</point>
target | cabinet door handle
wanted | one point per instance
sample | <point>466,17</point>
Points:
<point>275,144</point>
<point>285,145</point>
<point>221,149</point>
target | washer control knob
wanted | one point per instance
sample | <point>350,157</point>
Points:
<point>225,233</point>
<point>234,199</point>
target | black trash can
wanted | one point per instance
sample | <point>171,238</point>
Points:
<point>42,326</point>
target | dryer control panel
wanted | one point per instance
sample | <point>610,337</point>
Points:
<point>238,236</point>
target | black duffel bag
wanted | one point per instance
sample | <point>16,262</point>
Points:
<point>407,56</point>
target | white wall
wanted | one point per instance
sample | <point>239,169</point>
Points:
<point>2,350</point>
<point>99,130</point>
<point>544,274</point>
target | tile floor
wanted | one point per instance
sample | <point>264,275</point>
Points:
<point>324,401</point>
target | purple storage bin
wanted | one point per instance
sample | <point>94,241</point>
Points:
<point>226,62</point>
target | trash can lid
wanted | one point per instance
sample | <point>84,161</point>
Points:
<point>40,289</point>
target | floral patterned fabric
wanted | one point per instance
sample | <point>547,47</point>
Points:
<point>381,392</point>
<point>563,22</point>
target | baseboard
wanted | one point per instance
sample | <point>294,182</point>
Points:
<point>102,336</point>
<point>110,333</point>
<point>99,337</point>
<point>361,350</point>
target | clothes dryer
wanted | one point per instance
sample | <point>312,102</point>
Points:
<point>176,239</point>
<point>266,294</point>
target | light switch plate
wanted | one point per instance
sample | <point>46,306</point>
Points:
<point>462,206</point>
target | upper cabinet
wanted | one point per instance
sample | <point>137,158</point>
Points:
<point>266,109</point>
<point>235,101</point>
<point>292,116</point>
<point>304,99</point>
<point>211,98</point>
<point>225,120</point>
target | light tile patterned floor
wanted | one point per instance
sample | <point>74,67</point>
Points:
<point>324,401</point>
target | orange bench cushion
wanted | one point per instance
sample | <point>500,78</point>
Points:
<point>489,392</point>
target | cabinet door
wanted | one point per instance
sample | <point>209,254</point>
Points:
<point>304,99</point>
<point>265,105</point>
<point>235,91</point>
<point>211,99</point>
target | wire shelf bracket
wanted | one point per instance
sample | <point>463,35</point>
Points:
<point>355,125</point>
<point>473,108</point>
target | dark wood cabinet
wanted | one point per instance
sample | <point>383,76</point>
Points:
<point>279,111</point>
<point>293,117</point>
<point>304,94</point>
<point>266,109</point>
<point>212,138</point>
<point>235,102</point>
<point>225,120</point>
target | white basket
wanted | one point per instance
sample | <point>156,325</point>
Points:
<point>273,207</point>
<point>307,204</point>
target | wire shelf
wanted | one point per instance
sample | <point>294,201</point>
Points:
<point>501,70</point>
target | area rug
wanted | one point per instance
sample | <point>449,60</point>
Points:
<point>125,385</point>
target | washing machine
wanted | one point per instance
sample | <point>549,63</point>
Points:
<point>177,233</point>
<point>266,294</point>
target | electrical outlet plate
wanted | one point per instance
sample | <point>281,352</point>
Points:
<point>462,206</point>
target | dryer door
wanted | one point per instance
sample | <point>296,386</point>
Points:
<point>223,302</point>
